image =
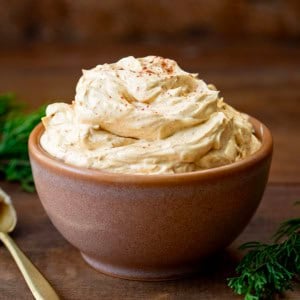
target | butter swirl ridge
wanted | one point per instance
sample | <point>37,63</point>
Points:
<point>146,116</point>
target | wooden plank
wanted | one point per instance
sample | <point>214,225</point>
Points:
<point>73,279</point>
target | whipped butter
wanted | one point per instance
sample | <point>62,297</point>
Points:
<point>146,116</point>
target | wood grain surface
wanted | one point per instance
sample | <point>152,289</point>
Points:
<point>92,20</point>
<point>262,79</point>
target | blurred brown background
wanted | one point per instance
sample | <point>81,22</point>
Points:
<point>96,21</point>
<point>250,49</point>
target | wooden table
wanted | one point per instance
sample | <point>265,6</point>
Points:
<point>260,78</point>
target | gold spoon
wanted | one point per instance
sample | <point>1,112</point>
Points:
<point>39,286</point>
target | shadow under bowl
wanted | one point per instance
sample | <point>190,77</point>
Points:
<point>150,227</point>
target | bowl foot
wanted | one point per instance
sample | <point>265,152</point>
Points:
<point>138,274</point>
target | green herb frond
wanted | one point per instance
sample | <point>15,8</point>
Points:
<point>269,269</point>
<point>15,128</point>
<point>287,228</point>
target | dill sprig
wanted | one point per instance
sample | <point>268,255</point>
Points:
<point>268,270</point>
<point>15,127</point>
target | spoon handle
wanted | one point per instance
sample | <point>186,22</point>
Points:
<point>39,286</point>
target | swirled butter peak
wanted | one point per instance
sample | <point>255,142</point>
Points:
<point>146,116</point>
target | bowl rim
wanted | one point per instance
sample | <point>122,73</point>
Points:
<point>36,152</point>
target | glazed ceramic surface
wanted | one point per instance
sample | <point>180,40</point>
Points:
<point>150,227</point>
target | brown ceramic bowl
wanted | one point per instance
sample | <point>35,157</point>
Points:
<point>150,227</point>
